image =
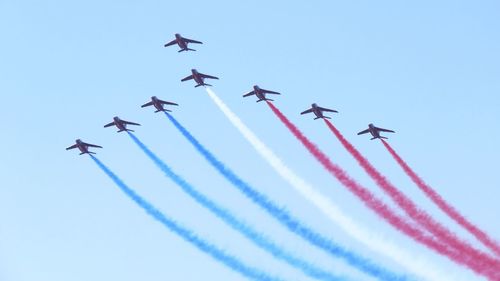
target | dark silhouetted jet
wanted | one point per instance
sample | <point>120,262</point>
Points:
<point>121,124</point>
<point>375,132</point>
<point>158,104</point>
<point>182,42</point>
<point>199,78</point>
<point>260,93</point>
<point>318,111</point>
<point>83,147</point>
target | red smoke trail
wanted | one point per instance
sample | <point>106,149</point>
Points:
<point>443,205</point>
<point>383,210</point>
<point>409,207</point>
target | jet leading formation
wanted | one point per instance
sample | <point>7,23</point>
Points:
<point>182,42</point>
<point>199,78</point>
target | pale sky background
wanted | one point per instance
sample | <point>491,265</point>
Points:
<point>428,70</point>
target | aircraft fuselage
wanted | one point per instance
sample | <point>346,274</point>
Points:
<point>373,131</point>
<point>180,41</point>
<point>259,93</point>
<point>197,77</point>
<point>82,147</point>
<point>317,111</point>
<point>119,124</point>
<point>157,104</point>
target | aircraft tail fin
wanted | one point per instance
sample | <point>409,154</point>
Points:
<point>327,117</point>
<point>128,130</point>
<point>204,84</point>
<point>165,110</point>
<point>186,49</point>
<point>264,100</point>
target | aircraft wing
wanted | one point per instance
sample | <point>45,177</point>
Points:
<point>109,125</point>
<point>385,130</point>
<point>307,111</point>
<point>328,110</point>
<point>192,41</point>
<point>147,104</point>
<point>167,102</point>
<point>92,145</point>
<point>249,94</point>
<point>208,76</point>
<point>187,78</point>
<point>72,147</point>
<point>270,92</point>
<point>364,132</point>
<point>170,43</point>
<point>130,123</point>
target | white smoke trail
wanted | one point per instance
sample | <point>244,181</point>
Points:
<point>374,242</point>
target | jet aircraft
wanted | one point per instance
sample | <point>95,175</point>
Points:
<point>199,78</point>
<point>121,124</point>
<point>83,147</point>
<point>318,111</point>
<point>375,132</point>
<point>261,93</point>
<point>158,104</point>
<point>182,42</point>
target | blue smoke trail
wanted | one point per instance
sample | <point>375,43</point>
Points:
<point>236,224</point>
<point>293,224</point>
<point>186,234</point>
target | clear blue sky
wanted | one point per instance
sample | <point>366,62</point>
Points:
<point>428,70</point>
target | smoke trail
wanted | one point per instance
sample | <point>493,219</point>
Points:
<point>227,217</point>
<point>189,236</point>
<point>409,207</point>
<point>377,205</point>
<point>292,223</point>
<point>372,241</point>
<point>443,205</point>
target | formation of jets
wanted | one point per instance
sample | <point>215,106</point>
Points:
<point>199,78</point>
